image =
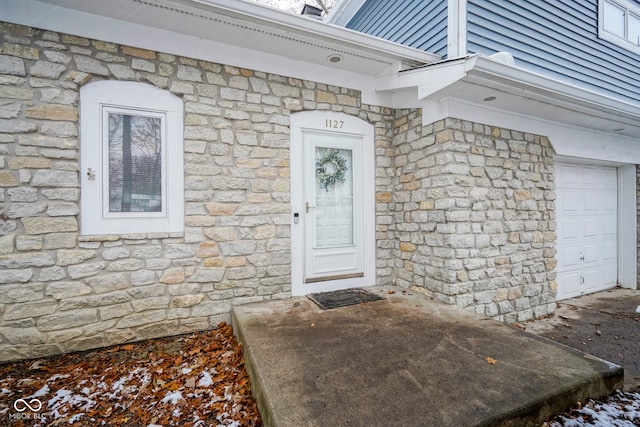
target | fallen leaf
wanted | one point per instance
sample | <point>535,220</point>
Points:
<point>391,292</point>
<point>491,360</point>
<point>128,347</point>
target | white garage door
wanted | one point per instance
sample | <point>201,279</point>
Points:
<point>587,199</point>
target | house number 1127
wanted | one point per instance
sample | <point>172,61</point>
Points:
<point>335,124</point>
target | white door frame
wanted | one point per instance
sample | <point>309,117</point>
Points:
<point>339,124</point>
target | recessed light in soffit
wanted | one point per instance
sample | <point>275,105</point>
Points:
<point>335,58</point>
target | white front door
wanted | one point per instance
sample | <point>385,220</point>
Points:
<point>333,202</point>
<point>333,207</point>
<point>587,199</point>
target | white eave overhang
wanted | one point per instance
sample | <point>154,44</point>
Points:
<point>483,84</point>
<point>238,33</point>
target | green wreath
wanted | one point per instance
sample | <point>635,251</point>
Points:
<point>328,179</point>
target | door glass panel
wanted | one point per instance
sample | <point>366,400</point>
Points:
<point>334,197</point>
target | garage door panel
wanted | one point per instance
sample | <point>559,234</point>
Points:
<point>570,230</point>
<point>570,257</point>
<point>569,175</point>
<point>572,284</point>
<point>592,253</point>
<point>571,202</point>
<point>610,276</point>
<point>587,228</point>
<point>591,227</point>
<point>610,227</point>
<point>610,251</point>
<point>591,202</point>
<point>609,201</point>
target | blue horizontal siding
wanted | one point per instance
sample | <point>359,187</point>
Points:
<point>421,24</point>
<point>557,38</point>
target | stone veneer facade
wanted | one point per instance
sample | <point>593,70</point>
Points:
<point>475,217</point>
<point>464,211</point>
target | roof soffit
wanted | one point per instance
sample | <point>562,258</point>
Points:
<point>489,84</point>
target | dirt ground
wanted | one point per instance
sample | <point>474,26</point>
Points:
<point>604,324</point>
<point>197,379</point>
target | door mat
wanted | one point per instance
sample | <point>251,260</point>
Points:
<point>343,298</point>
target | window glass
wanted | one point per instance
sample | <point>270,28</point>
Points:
<point>135,163</point>
<point>634,29</point>
<point>614,17</point>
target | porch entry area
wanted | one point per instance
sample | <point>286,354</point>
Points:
<point>332,198</point>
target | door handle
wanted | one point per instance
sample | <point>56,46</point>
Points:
<point>308,206</point>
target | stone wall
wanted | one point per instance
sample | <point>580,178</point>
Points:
<point>474,216</point>
<point>61,290</point>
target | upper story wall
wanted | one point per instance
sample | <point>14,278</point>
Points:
<point>417,23</point>
<point>556,38</point>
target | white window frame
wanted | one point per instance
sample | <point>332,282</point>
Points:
<point>96,101</point>
<point>630,8</point>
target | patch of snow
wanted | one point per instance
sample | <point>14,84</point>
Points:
<point>186,371</point>
<point>172,397</point>
<point>619,410</point>
<point>206,380</point>
<point>42,392</point>
<point>638,309</point>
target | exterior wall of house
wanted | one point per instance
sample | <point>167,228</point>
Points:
<point>416,23</point>
<point>61,290</point>
<point>475,216</point>
<point>557,39</point>
<point>464,211</point>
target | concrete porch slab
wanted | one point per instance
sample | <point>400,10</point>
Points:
<point>407,360</point>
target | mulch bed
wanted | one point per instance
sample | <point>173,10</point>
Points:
<point>197,380</point>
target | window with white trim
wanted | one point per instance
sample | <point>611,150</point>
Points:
<point>131,155</point>
<point>619,23</point>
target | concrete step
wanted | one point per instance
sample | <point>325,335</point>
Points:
<point>407,361</point>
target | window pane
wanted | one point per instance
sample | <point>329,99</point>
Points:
<point>135,169</point>
<point>614,19</point>
<point>634,29</point>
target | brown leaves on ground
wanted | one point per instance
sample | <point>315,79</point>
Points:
<point>196,380</point>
